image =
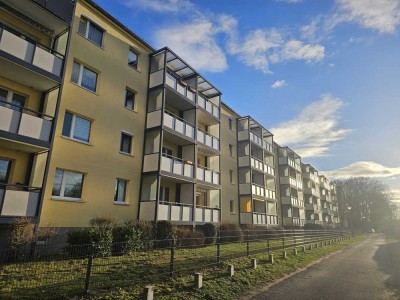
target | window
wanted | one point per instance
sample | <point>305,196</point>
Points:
<point>167,152</point>
<point>91,31</point>
<point>232,206</point>
<point>133,58</point>
<point>126,143</point>
<point>230,122</point>
<point>76,128</point>
<point>231,150</point>
<point>120,191</point>
<point>130,102</point>
<point>231,176</point>
<point>5,166</point>
<point>164,194</point>
<point>84,77</point>
<point>67,184</point>
<point>16,100</point>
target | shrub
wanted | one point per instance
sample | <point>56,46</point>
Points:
<point>102,240</point>
<point>309,226</point>
<point>22,233</point>
<point>254,232</point>
<point>126,239</point>
<point>165,234</point>
<point>146,229</point>
<point>104,222</point>
<point>187,237</point>
<point>230,232</point>
<point>78,240</point>
<point>209,232</point>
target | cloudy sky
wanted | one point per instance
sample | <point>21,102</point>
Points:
<point>324,76</point>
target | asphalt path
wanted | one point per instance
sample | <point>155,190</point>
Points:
<point>367,270</point>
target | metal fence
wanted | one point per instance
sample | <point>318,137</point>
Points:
<point>43,272</point>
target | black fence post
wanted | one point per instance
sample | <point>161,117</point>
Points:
<point>89,269</point>
<point>268,247</point>
<point>283,239</point>
<point>171,263</point>
<point>247,243</point>
<point>218,247</point>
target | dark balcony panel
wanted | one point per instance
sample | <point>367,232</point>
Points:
<point>61,8</point>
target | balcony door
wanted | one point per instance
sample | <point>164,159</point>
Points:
<point>5,166</point>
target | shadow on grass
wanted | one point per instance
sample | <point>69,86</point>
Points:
<point>388,258</point>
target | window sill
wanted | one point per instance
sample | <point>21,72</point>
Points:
<point>121,203</point>
<point>233,213</point>
<point>136,69</point>
<point>66,199</point>
<point>82,87</point>
<point>126,154</point>
<point>75,140</point>
<point>101,47</point>
<point>132,110</point>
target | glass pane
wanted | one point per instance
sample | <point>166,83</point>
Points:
<point>66,131</point>
<point>132,58</point>
<point>120,191</point>
<point>3,95</point>
<point>57,183</point>
<point>82,26</point>
<point>4,170</point>
<point>130,100</point>
<point>126,141</point>
<point>89,79</point>
<point>73,184</point>
<point>75,72</point>
<point>82,129</point>
<point>18,101</point>
<point>95,34</point>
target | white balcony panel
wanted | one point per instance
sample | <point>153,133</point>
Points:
<point>186,213</point>
<point>188,170</point>
<point>243,135</point>
<point>244,161</point>
<point>17,46</point>
<point>47,61</point>
<point>147,210</point>
<point>150,162</point>
<point>177,167</point>
<point>199,214</point>
<point>163,212</point>
<point>35,127</point>
<point>216,216</point>
<point>9,119</point>
<point>156,78</point>
<point>20,203</point>
<point>207,215</point>
<point>244,188</point>
<point>153,119</point>
<point>175,212</point>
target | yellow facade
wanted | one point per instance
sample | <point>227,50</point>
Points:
<point>100,160</point>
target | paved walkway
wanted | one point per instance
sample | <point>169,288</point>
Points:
<point>368,270</point>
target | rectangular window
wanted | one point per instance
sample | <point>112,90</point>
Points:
<point>126,143</point>
<point>16,101</point>
<point>232,206</point>
<point>166,151</point>
<point>231,176</point>
<point>67,184</point>
<point>164,194</point>
<point>130,102</point>
<point>133,58</point>
<point>230,121</point>
<point>231,150</point>
<point>120,190</point>
<point>76,128</point>
<point>5,166</point>
<point>91,31</point>
<point>84,77</point>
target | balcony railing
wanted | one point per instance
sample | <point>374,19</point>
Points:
<point>61,8</point>
<point>271,194</point>
<point>207,139</point>
<point>207,214</point>
<point>260,142</point>
<point>258,190</point>
<point>311,206</point>
<point>176,166</point>
<point>171,211</point>
<point>293,164</point>
<point>19,201</point>
<point>19,46</point>
<point>181,87</point>
<point>22,121</point>
<point>259,165</point>
<point>178,124</point>
<point>207,175</point>
<point>208,106</point>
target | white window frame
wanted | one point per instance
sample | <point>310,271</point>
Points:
<point>62,187</point>
<point>79,83</point>
<point>86,35</point>
<point>10,95</point>
<point>134,101</point>
<point>71,133</point>
<point>137,58</point>
<point>120,142</point>
<point>232,209</point>
<point>125,202</point>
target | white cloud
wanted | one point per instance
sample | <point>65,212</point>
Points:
<point>312,133</point>
<point>161,6</point>
<point>297,50</point>
<point>395,194</point>
<point>279,84</point>
<point>365,169</point>
<point>196,43</point>
<point>290,1</point>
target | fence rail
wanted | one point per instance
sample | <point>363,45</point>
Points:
<point>48,272</point>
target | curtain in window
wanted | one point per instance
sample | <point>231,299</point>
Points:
<point>95,34</point>
<point>82,129</point>
<point>121,191</point>
<point>57,183</point>
<point>82,26</point>
<point>75,72</point>
<point>89,79</point>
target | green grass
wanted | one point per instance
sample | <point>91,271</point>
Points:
<point>124,277</point>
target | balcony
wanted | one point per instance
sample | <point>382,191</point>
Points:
<point>293,221</point>
<point>176,166</point>
<point>207,214</point>
<point>325,198</point>
<point>326,210</point>
<point>293,164</point>
<point>170,211</point>
<point>270,194</point>
<point>311,191</point>
<point>208,106</point>
<point>207,139</point>
<point>181,87</point>
<point>25,122</point>
<point>292,181</point>
<point>311,206</point>
<point>178,125</point>
<point>290,200</point>
<point>29,54</point>
<point>257,190</point>
<point>19,201</point>
<point>260,142</point>
<point>208,175</point>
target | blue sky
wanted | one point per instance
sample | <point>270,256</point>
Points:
<point>322,75</point>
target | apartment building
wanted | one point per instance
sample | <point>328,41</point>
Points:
<point>335,206</point>
<point>256,173</point>
<point>33,45</point>
<point>311,191</point>
<point>96,122</point>
<point>291,187</point>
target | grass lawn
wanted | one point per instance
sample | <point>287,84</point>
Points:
<point>124,277</point>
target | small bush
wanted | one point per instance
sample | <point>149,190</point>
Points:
<point>209,232</point>
<point>126,239</point>
<point>165,234</point>
<point>102,240</point>
<point>146,229</point>
<point>187,237</point>
<point>104,222</point>
<point>309,226</point>
<point>230,232</point>
<point>22,233</point>
<point>79,241</point>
